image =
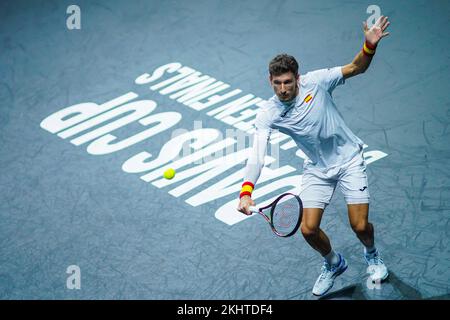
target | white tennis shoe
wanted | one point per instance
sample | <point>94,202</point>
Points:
<point>326,279</point>
<point>376,267</point>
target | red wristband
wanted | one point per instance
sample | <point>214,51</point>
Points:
<point>370,46</point>
<point>247,189</point>
<point>368,49</point>
<point>245,193</point>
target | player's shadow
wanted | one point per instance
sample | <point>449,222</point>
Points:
<point>405,290</point>
<point>442,297</point>
<point>356,291</point>
<point>409,292</point>
<point>352,292</point>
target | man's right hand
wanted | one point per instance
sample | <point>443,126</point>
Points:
<point>244,205</point>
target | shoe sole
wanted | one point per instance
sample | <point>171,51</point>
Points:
<point>382,279</point>
<point>334,278</point>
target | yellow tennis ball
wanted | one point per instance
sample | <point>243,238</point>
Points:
<point>169,173</point>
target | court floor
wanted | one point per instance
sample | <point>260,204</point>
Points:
<point>91,112</point>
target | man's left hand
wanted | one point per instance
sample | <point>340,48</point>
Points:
<point>376,32</point>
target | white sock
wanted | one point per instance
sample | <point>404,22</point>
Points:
<point>370,250</point>
<point>332,258</point>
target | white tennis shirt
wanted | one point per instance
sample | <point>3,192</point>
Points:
<point>311,119</point>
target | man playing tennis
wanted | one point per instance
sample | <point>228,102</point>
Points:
<point>303,108</point>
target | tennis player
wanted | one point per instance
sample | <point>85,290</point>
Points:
<point>303,108</point>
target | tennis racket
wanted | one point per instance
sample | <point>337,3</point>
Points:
<point>284,214</point>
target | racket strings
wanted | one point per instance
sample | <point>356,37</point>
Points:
<point>286,215</point>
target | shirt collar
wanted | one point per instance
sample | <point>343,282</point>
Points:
<point>288,104</point>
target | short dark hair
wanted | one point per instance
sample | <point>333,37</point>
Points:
<point>283,63</point>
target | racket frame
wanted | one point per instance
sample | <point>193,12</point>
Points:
<point>272,206</point>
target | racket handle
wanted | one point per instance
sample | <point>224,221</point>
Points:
<point>253,209</point>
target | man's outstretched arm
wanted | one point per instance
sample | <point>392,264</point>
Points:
<point>372,36</point>
<point>253,168</point>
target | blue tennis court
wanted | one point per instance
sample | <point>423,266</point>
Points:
<point>95,105</point>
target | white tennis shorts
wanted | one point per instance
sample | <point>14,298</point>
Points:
<point>318,185</point>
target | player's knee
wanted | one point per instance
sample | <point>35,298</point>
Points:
<point>308,231</point>
<point>360,227</point>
